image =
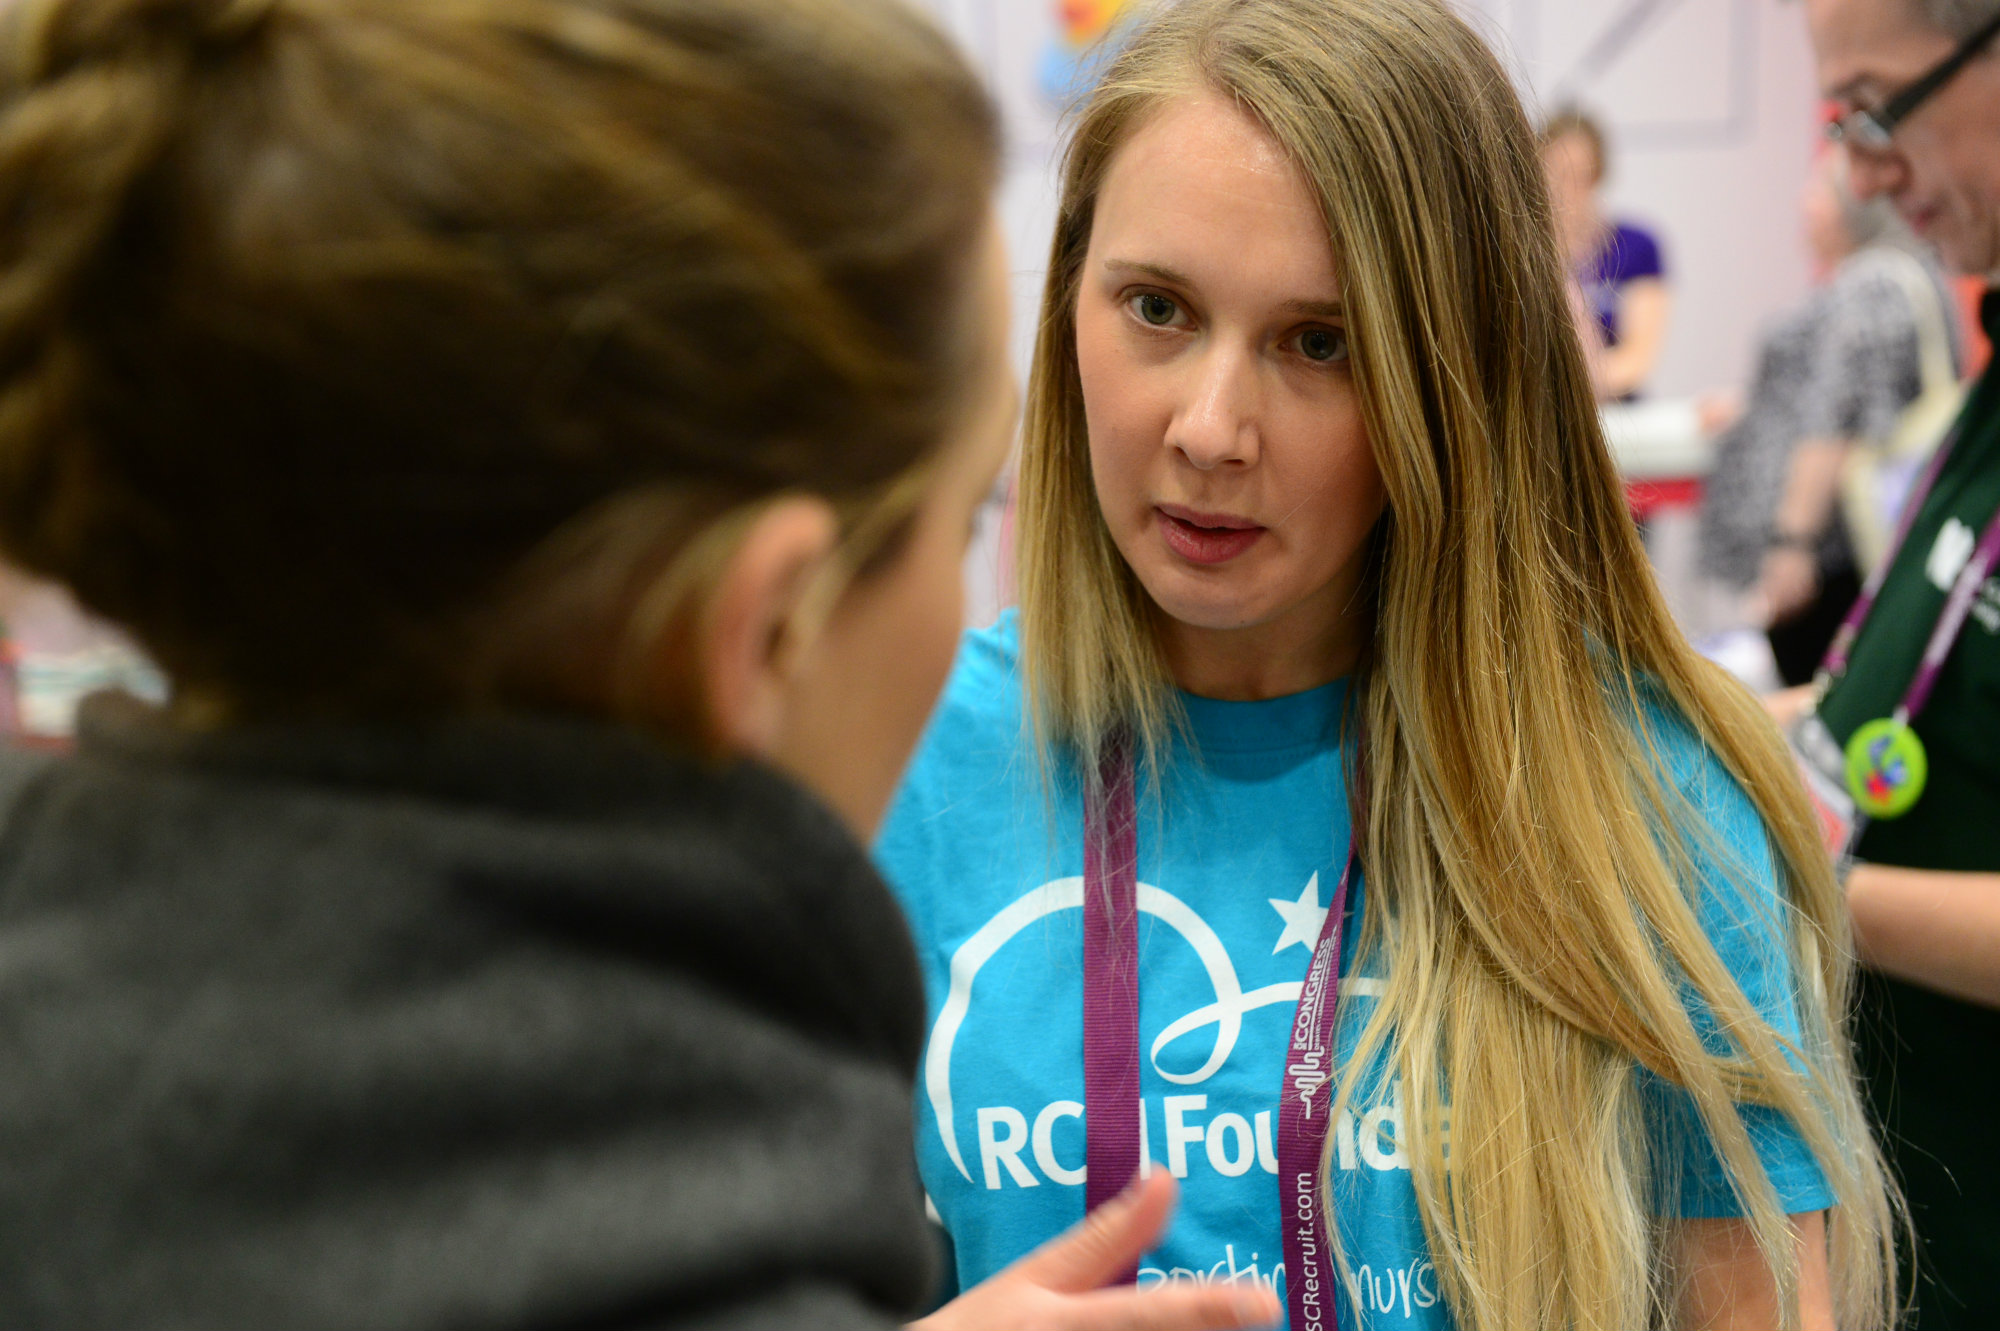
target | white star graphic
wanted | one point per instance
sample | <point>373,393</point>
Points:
<point>1303,918</point>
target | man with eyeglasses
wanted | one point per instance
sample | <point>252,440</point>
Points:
<point>1912,703</point>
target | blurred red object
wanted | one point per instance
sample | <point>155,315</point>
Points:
<point>1649,497</point>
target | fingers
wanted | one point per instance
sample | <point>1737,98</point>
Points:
<point>1107,1241</point>
<point>1176,1308</point>
<point>1786,705</point>
<point>1060,1284</point>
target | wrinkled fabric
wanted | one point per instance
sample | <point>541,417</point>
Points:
<point>494,1023</point>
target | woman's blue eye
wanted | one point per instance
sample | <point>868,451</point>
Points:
<point>1323,344</point>
<point>1157,310</point>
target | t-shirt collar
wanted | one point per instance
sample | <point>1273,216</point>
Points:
<point>1297,720</point>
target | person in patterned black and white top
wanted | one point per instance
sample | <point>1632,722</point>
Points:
<point>1835,371</point>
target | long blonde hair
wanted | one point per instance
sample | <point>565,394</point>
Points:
<point>1530,860</point>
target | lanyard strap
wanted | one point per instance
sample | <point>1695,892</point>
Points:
<point>1305,1113</point>
<point>1112,1110</point>
<point>1110,984</point>
<point>1957,608</point>
<point>1951,619</point>
<point>1835,662</point>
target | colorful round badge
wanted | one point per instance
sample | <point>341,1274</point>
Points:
<point>1886,768</point>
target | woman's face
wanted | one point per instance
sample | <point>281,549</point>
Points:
<point>1570,162</point>
<point>1226,437</point>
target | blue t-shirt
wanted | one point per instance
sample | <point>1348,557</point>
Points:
<point>1237,867</point>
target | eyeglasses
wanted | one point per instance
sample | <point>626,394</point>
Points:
<point>1870,130</point>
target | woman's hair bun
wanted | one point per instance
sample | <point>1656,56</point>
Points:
<point>88,93</point>
<point>62,37</point>
<point>317,316</point>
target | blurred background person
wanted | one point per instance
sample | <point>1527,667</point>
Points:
<point>1833,375</point>
<point>1618,267</point>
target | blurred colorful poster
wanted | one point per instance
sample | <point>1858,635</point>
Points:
<point>1082,42</point>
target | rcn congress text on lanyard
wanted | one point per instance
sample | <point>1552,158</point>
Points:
<point>1111,1047</point>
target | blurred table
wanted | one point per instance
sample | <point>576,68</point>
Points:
<point>1661,451</point>
<point>1665,456</point>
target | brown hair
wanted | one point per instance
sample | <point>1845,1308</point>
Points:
<point>366,354</point>
<point>1567,120</point>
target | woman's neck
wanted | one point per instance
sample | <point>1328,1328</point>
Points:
<point>1284,656</point>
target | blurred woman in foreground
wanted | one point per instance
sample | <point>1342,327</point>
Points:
<point>539,439</point>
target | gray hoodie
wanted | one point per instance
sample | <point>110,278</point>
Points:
<point>493,1023</point>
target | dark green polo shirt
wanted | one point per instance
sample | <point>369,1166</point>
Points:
<point>1931,1064</point>
<point>1956,825</point>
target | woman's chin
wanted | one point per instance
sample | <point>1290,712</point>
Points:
<point>1205,599</point>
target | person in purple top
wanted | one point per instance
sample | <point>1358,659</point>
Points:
<point>1620,274</point>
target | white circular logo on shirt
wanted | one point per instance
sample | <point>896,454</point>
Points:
<point>1225,1013</point>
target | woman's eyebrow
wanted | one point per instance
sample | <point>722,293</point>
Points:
<point>1158,271</point>
<point>1317,309</point>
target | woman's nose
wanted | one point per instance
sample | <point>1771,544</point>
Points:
<point>1216,422</point>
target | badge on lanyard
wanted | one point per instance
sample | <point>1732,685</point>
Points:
<point>1886,767</point>
<point>1886,763</point>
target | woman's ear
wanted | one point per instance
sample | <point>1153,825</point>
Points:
<point>749,650</point>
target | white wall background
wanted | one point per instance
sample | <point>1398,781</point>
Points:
<point>1711,108</point>
<point>1713,113</point>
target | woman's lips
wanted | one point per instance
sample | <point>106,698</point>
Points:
<point>1205,538</point>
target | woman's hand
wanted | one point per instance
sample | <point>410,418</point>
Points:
<point>1718,411</point>
<point>1790,577</point>
<point>1059,1286</point>
<point>1786,706</point>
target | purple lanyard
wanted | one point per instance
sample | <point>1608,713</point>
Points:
<point>1951,620</point>
<point>1111,1107</point>
<point>1111,1047</point>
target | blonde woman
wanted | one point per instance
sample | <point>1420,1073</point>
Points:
<point>1341,825</point>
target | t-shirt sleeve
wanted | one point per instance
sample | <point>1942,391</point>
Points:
<point>1742,911</point>
<point>907,847</point>
<point>1636,255</point>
